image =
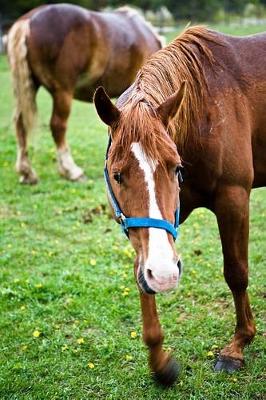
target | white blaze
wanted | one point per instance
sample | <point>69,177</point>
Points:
<point>160,253</point>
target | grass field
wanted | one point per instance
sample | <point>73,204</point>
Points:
<point>68,300</point>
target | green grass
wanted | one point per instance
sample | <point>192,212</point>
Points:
<point>67,279</point>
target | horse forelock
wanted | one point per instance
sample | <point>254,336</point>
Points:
<point>139,123</point>
<point>160,77</point>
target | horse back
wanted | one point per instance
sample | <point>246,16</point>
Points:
<point>130,42</point>
<point>77,50</point>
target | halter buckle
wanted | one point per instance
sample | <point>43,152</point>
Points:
<point>121,217</point>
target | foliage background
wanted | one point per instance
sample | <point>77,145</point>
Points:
<point>194,10</point>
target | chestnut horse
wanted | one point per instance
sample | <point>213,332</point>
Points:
<point>70,51</point>
<point>198,103</point>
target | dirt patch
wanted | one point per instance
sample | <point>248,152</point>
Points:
<point>90,214</point>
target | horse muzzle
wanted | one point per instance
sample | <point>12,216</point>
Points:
<point>151,283</point>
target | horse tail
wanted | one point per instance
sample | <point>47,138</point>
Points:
<point>23,85</point>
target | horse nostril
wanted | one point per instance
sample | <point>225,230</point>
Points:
<point>149,274</point>
<point>143,283</point>
<point>179,266</point>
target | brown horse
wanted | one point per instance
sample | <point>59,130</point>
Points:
<point>70,51</point>
<point>199,102</point>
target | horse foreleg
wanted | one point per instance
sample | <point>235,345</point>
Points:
<point>61,110</point>
<point>23,166</point>
<point>163,366</point>
<point>232,211</point>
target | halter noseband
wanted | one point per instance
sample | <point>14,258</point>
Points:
<point>137,222</point>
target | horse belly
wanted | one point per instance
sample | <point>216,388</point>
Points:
<point>85,86</point>
<point>85,89</point>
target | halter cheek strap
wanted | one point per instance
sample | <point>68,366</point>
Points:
<point>137,222</point>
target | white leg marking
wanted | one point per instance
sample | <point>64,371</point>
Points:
<point>161,260</point>
<point>67,166</point>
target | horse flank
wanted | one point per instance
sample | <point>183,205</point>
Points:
<point>159,78</point>
<point>23,87</point>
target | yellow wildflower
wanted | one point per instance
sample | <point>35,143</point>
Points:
<point>90,365</point>
<point>36,333</point>
<point>80,340</point>
<point>210,354</point>
<point>38,285</point>
<point>92,261</point>
<point>133,334</point>
<point>128,357</point>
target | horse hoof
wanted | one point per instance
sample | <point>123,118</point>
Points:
<point>228,364</point>
<point>30,179</point>
<point>169,374</point>
<point>74,176</point>
<point>81,178</point>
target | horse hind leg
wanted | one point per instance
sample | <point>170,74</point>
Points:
<point>23,165</point>
<point>25,96</point>
<point>232,211</point>
<point>61,110</point>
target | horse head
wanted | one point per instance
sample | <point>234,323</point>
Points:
<point>142,169</point>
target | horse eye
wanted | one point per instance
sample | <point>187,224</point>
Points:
<point>178,168</point>
<point>178,173</point>
<point>118,177</point>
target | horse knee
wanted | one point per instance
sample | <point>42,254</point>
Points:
<point>153,337</point>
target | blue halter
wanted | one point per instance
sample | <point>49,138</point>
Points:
<point>137,222</point>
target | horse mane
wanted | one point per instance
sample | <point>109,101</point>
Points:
<point>182,60</point>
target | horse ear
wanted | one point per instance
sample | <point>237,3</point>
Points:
<point>169,108</point>
<point>106,110</point>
